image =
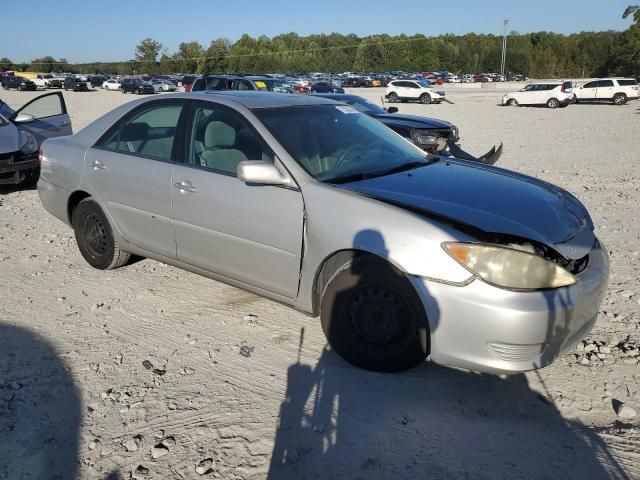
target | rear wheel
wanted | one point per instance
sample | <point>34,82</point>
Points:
<point>619,99</point>
<point>373,317</point>
<point>393,97</point>
<point>553,103</point>
<point>95,238</point>
<point>425,98</point>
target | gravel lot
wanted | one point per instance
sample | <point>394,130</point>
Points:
<point>152,372</point>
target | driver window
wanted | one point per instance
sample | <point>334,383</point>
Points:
<point>44,107</point>
<point>220,139</point>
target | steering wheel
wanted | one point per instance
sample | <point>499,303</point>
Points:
<point>346,153</point>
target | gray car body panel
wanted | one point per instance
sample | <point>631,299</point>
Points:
<point>280,253</point>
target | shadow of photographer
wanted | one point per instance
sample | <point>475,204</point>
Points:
<point>40,409</point>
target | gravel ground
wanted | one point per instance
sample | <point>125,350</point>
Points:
<point>152,372</point>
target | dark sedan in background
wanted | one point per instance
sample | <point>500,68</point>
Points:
<point>19,83</point>
<point>432,135</point>
<point>137,86</point>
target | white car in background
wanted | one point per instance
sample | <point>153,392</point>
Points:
<point>111,84</point>
<point>551,94</point>
<point>160,85</point>
<point>615,90</point>
<point>405,90</point>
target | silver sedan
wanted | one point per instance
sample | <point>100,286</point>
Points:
<point>314,204</point>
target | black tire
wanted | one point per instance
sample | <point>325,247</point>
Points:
<point>373,318</point>
<point>513,102</point>
<point>553,103</point>
<point>619,99</point>
<point>95,238</point>
<point>425,98</point>
<point>393,97</point>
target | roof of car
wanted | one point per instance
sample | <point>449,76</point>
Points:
<point>255,99</point>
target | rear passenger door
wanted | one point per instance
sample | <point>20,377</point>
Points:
<point>130,170</point>
<point>605,90</point>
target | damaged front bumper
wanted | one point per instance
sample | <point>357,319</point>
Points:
<point>488,329</point>
<point>489,158</point>
<point>15,167</point>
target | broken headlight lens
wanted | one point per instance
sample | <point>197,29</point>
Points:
<point>424,137</point>
<point>508,268</point>
<point>29,143</point>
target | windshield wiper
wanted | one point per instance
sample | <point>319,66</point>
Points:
<point>354,177</point>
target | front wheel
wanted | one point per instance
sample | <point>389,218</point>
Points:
<point>95,238</point>
<point>619,99</point>
<point>373,317</point>
<point>425,98</point>
<point>553,103</point>
<point>513,102</point>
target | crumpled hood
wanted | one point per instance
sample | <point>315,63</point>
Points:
<point>411,121</point>
<point>9,137</point>
<point>490,199</point>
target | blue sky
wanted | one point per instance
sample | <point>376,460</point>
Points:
<point>84,31</point>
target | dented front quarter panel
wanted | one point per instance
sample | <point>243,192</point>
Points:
<point>337,220</point>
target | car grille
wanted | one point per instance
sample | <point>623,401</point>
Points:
<point>515,353</point>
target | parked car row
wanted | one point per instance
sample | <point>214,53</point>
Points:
<point>561,94</point>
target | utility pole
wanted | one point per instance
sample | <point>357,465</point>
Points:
<point>503,61</point>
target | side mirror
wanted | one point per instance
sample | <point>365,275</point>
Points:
<point>392,109</point>
<point>24,118</point>
<point>258,172</point>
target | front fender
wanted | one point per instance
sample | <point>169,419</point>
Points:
<point>341,220</point>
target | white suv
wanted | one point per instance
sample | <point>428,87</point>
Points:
<point>616,90</point>
<point>404,90</point>
<point>551,94</point>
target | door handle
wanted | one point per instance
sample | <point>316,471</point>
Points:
<point>98,165</point>
<point>185,187</point>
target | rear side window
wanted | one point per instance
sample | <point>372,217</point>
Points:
<point>627,83</point>
<point>605,83</point>
<point>149,132</point>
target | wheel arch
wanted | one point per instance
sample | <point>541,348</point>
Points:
<point>74,199</point>
<point>334,263</point>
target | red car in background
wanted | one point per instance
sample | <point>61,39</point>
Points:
<point>301,89</point>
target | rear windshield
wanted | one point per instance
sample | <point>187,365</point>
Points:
<point>627,83</point>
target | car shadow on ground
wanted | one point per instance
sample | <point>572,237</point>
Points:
<point>338,422</point>
<point>8,189</point>
<point>431,422</point>
<point>40,409</point>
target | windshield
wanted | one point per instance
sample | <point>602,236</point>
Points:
<point>336,143</point>
<point>363,105</point>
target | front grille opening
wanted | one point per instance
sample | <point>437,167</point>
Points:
<point>578,266</point>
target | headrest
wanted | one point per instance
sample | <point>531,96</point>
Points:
<point>219,134</point>
<point>134,131</point>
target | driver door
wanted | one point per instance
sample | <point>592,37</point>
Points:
<point>50,117</point>
<point>249,233</point>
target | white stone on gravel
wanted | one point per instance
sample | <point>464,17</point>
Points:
<point>624,411</point>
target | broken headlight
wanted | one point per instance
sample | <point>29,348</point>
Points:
<point>29,143</point>
<point>428,139</point>
<point>509,268</point>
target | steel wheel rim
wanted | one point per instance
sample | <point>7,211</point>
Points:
<point>378,318</point>
<point>94,235</point>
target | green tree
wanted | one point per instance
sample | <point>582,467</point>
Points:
<point>147,53</point>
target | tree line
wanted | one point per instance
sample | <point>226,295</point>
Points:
<point>539,55</point>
